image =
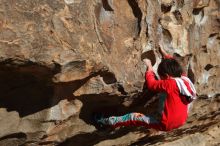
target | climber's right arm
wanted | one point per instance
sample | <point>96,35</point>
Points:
<point>152,83</point>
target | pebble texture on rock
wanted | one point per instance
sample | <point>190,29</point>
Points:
<point>61,60</point>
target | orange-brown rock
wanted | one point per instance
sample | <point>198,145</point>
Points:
<point>61,60</point>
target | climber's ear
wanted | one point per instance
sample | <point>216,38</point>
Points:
<point>164,77</point>
<point>167,76</point>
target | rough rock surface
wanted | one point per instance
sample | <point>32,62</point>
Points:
<point>61,60</point>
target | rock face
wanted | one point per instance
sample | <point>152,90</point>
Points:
<point>61,60</point>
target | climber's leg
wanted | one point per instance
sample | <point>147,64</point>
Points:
<point>131,119</point>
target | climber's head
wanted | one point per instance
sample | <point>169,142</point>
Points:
<point>169,67</point>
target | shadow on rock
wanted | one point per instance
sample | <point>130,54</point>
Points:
<point>149,140</point>
<point>88,139</point>
<point>109,105</point>
<point>116,105</point>
<point>25,88</point>
<point>28,88</point>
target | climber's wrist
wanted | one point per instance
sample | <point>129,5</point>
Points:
<point>149,68</point>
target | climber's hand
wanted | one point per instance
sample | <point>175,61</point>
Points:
<point>148,64</point>
<point>147,61</point>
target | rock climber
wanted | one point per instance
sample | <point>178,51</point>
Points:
<point>175,90</point>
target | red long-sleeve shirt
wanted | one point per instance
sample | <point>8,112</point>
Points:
<point>174,112</point>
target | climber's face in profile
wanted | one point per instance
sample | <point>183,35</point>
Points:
<point>169,68</point>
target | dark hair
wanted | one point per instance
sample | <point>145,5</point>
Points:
<point>170,67</point>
